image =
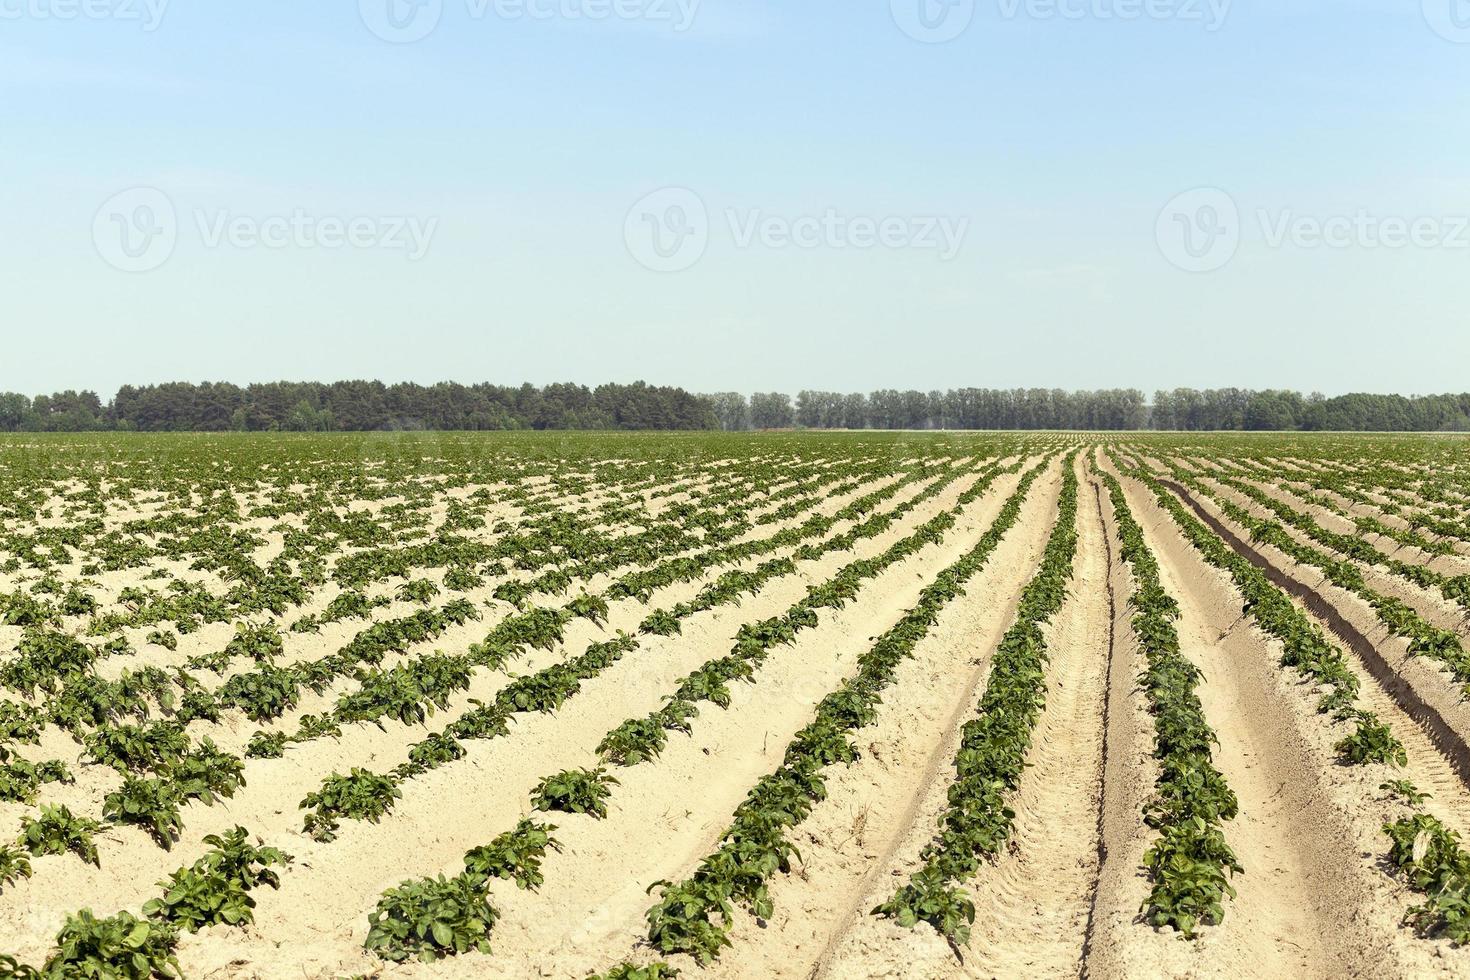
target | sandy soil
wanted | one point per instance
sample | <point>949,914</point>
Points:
<point>1315,900</point>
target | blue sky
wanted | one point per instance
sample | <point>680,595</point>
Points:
<point>500,179</point>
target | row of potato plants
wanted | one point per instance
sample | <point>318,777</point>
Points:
<point>214,891</point>
<point>154,802</point>
<point>993,747</point>
<point>1305,647</point>
<point>1424,639</point>
<point>1309,489</point>
<point>1190,862</point>
<point>1427,854</point>
<point>1454,588</point>
<point>357,707</point>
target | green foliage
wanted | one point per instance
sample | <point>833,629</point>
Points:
<point>360,795</point>
<point>264,693</point>
<point>993,746</point>
<point>575,791</point>
<point>135,748</point>
<point>432,918</point>
<point>1373,741</point>
<point>151,804</point>
<point>1429,855</point>
<point>167,639</point>
<point>215,890</point>
<point>15,864</point>
<point>515,855</point>
<point>118,948</point>
<point>1405,791</point>
<point>57,831</point>
<point>633,971</point>
<point>1189,862</point>
<point>929,897</point>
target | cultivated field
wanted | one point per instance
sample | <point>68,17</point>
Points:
<point>805,706</point>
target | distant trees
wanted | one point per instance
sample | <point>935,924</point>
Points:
<point>1189,410</point>
<point>771,410</point>
<point>972,408</point>
<point>358,406</point>
<point>372,405</point>
<point>732,410</point>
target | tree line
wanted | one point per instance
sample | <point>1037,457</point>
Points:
<point>359,406</point>
<point>1181,409</point>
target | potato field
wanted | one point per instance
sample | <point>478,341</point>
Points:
<point>784,705</point>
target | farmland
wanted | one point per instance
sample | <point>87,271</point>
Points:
<point>775,705</point>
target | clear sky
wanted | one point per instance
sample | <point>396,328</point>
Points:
<point>737,194</point>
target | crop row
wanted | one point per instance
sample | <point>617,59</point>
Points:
<point>1189,861</point>
<point>993,746</point>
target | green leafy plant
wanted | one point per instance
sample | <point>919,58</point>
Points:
<point>58,831</point>
<point>575,791</point>
<point>360,795</point>
<point>122,947</point>
<point>152,804</point>
<point>633,971</point>
<point>515,855</point>
<point>215,889</point>
<point>14,864</point>
<point>1405,790</point>
<point>432,918</point>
